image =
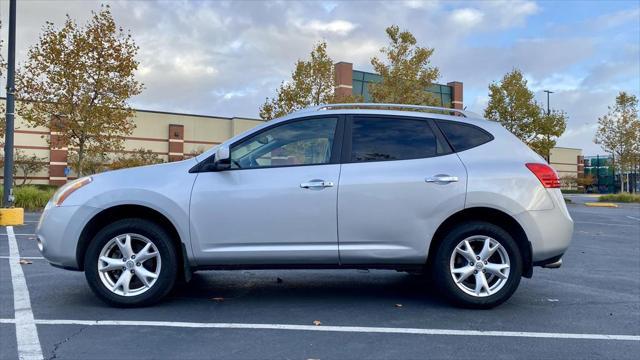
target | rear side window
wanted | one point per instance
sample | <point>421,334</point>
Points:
<point>463,136</point>
<point>380,139</point>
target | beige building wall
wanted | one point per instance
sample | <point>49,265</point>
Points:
<point>164,133</point>
<point>568,164</point>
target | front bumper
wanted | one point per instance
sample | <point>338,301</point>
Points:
<point>58,233</point>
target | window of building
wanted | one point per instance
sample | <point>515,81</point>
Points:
<point>305,142</point>
<point>463,136</point>
<point>378,139</point>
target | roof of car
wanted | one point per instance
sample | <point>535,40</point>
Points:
<point>390,107</point>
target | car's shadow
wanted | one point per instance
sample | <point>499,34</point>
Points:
<point>309,285</point>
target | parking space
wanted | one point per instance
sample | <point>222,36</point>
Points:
<point>589,308</point>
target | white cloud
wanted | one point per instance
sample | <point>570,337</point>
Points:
<point>467,17</point>
<point>338,27</point>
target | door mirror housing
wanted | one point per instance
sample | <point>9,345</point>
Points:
<point>222,160</point>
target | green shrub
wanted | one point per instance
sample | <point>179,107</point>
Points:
<point>32,197</point>
<point>622,197</point>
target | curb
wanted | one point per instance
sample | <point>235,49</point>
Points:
<point>11,216</point>
<point>601,204</point>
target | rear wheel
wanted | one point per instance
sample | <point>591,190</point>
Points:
<point>478,265</point>
<point>131,262</point>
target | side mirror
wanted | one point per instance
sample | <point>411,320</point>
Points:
<point>222,158</point>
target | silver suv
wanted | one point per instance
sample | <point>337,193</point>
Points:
<point>349,186</point>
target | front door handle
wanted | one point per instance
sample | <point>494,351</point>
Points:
<point>316,184</point>
<point>441,178</point>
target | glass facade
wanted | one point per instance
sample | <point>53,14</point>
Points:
<point>362,79</point>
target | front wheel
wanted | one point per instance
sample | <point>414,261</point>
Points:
<point>131,262</point>
<point>478,265</point>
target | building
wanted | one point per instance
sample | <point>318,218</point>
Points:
<point>355,82</point>
<point>171,136</point>
<point>569,164</point>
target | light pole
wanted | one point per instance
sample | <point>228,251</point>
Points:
<point>548,109</point>
<point>7,197</point>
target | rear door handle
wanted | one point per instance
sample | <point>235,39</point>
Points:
<point>441,178</point>
<point>316,184</point>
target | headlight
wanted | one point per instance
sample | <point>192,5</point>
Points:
<point>68,188</point>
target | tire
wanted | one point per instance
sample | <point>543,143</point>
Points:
<point>159,260</point>
<point>449,269</point>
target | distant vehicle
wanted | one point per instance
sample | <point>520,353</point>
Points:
<point>348,186</point>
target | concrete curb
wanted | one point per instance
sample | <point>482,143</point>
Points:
<point>601,204</point>
<point>11,216</point>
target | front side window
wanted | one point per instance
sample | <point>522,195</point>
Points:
<point>378,139</point>
<point>306,142</point>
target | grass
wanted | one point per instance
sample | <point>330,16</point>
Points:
<point>32,197</point>
<point>621,197</point>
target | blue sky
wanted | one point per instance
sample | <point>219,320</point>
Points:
<point>224,58</point>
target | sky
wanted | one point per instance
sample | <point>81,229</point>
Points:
<point>224,58</point>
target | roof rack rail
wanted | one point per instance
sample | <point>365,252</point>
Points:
<point>432,109</point>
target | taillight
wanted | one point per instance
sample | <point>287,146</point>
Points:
<point>545,174</point>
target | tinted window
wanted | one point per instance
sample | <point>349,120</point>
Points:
<point>463,136</point>
<point>304,142</point>
<point>376,139</point>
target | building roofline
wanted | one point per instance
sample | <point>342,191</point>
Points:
<point>564,147</point>
<point>178,113</point>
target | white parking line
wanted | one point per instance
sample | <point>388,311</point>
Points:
<point>633,218</point>
<point>607,224</point>
<point>24,257</point>
<point>353,329</point>
<point>26,332</point>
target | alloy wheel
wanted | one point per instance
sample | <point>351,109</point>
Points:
<point>479,266</point>
<point>129,264</point>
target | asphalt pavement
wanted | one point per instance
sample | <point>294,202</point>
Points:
<point>589,308</point>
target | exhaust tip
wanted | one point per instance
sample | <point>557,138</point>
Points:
<point>553,265</point>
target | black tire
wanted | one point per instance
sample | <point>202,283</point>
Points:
<point>445,280</point>
<point>168,257</point>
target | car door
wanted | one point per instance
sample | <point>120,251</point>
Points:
<point>399,181</point>
<point>277,203</point>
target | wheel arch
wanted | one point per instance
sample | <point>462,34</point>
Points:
<point>118,212</point>
<point>491,215</point>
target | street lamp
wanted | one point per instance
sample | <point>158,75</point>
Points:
<point>548,109</point>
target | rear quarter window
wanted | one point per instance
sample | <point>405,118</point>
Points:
<point>463,136</point>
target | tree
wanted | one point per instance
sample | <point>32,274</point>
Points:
<point>27,165</point>
<point>585,181</point>
<point>81,77</point>
<point>619,133</point>
<point>512,104</point>
<point>406,71</point>
<point>312,83</point>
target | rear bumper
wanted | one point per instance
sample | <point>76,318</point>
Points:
<point>549,231</point>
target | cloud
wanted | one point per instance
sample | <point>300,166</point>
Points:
<point>338,27</point>
<point>467,17</point>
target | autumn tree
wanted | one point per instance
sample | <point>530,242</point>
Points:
<point>82,77</point>
<point>312,83</point>
<point>619,133</point>
<point>406,71</point>
<point>512,104</point>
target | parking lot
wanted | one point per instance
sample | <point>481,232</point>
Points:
<point>589,308</point>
